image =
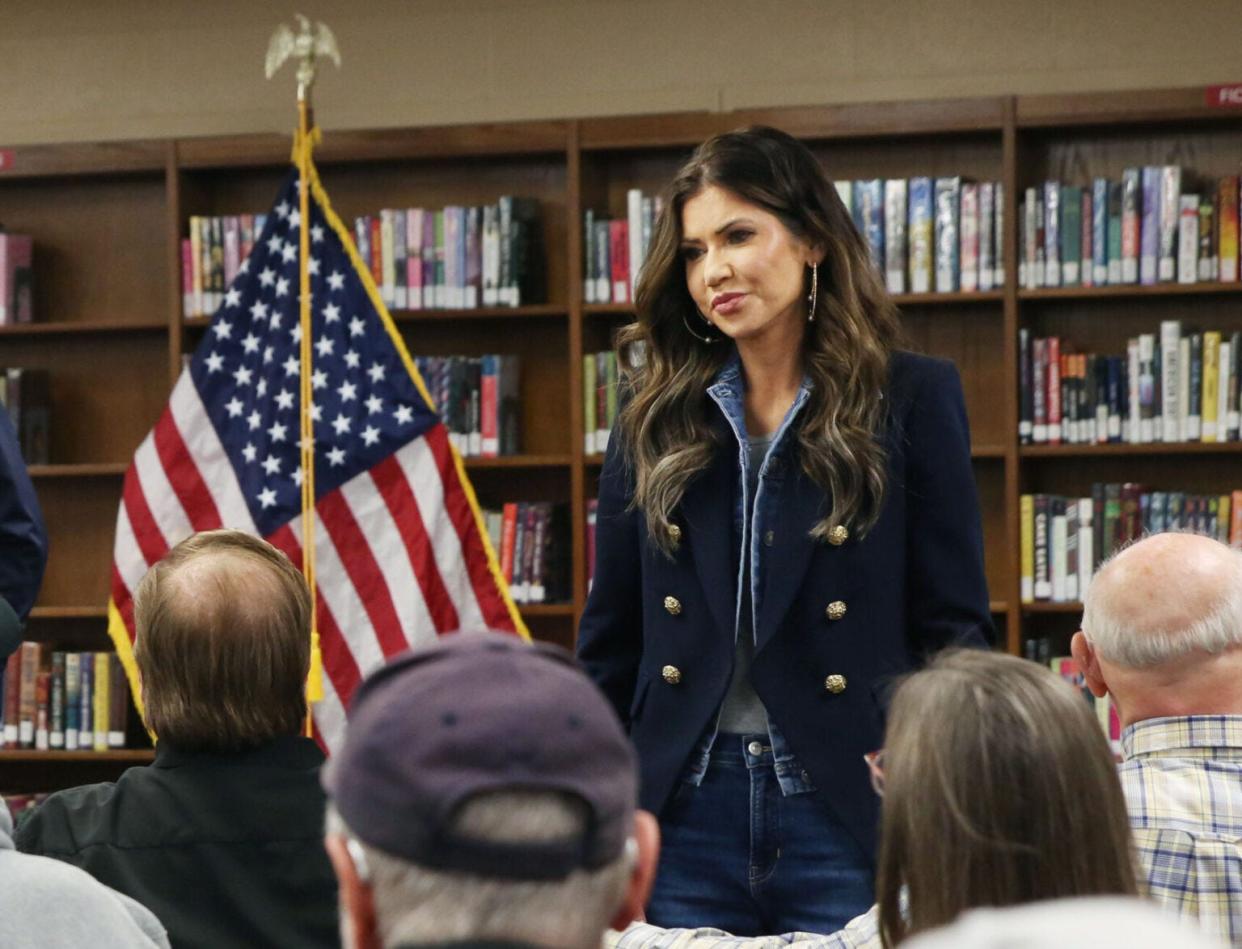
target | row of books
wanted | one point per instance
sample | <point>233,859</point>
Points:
<point>26,394</point>
<point>1146,228</point>
<point>1040,649</point>
<point>614,250</point>
<point>64,700</point>
<point>1064,540</point>
<point>456,257</point>
<point>531,540</point>
<point>211,258</point>
<point>16,278</point>
<point>479,400</point>
<point>940,235</point>
<point>19,804</point>
<point>1175,387</point>
<point>599,399</point>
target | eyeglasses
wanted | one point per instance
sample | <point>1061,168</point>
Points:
<point>875,764</point>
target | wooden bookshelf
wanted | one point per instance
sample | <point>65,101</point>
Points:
<point>107,220</point>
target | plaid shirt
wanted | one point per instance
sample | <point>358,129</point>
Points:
<point>862,932</point>
<point>1182,779</point>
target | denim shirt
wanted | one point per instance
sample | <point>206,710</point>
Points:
<point>727,392</point>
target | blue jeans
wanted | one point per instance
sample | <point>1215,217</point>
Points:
<point>737,854</point>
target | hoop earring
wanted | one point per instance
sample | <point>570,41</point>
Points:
<point>813,296</point>
<point>702,339</point>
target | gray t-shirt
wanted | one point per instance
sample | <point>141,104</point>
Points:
<point>742,711</point>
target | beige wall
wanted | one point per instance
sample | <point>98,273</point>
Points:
<point>98,69</point>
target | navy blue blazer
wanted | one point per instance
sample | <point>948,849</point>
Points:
<point>913,585</point>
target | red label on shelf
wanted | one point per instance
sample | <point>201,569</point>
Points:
<point>1222,97</point>
<point>6,159</point>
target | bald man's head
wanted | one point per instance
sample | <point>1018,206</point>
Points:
<point>1164,598</point>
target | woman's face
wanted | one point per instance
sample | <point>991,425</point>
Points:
<point>745,271</point>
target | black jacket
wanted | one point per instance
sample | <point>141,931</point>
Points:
<point>227,850</point>
<point>838,623</point>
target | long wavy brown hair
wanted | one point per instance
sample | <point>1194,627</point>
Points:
<point>999,789</point>
<point>667,367</point>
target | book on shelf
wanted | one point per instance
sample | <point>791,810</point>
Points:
<point>57,700</point>
<point>531,539</point>
<point>1039,650</point>
<point>479,400</point>
<point>614,249</point>
<point>16,278</point>
<point>1157,224</point>
<point>454,257</point>
<point>1173,386</point>
<point>26,394</point>
<point>1064,540</point>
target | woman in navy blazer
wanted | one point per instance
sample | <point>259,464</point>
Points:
<point>787,521</point>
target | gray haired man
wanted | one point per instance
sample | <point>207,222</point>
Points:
<point>485,796</point>
<point>1162,634</point>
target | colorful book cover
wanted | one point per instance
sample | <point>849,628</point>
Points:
<point>1131,223</point>
<point>921,233</point>
<point>1052,233</point>
<point>948,208</point>
<point>1170,205</point>
<point>1207,240</point>
<point>1211,391</point>
<point>895,213</point>
<point>1149,231</point>
<point>1099,232</point>
<point>1227,222</point>
<point>968,254</point>
<point>1188,239</point>
<point>1026,521</point>
<point>987,235</point>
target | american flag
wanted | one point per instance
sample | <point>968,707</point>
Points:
<point>400,556</point>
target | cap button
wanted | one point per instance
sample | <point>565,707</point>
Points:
<point>674,534</point>
<point>838,535</point>
<point>673,605</point>
<point>836,610</point>
<point>835,684</point>
<point>671,675</point>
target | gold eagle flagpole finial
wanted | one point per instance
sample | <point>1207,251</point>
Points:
<point>308,44</point>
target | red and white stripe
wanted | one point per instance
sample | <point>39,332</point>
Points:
<point>398,555</point>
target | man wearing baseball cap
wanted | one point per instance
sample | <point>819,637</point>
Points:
<point>485,796</point>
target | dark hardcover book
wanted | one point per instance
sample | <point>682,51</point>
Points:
<point>1112,518</point>
<point>1194,415</point>
<point>1115,192</point>
<point>118,697</point>
<point>558,555</point>
<point>532,585</point>
<point>1159,512</point>
<point>1177,511</point>
<point>523,282</point>
<point>1039,389</point>
<point>1232,412</point>
<point>474,426</point>
<point>509,404</point>
<point>1131,527</point>
<point>1026,397</point>
<point>1117,397</point>
<point>56,716</point>
<point>1071,235</point>
<point>1098,503</point>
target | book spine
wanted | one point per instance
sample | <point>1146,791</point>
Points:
<point>588,256</point>
<point>1052,233</point>
<point>1026,395</point>
<point>30,660</point>
<point>1071,235</point>
<point>12,700</point>
<point>1232,416</point>
<point>634,236</point>
<point>376,225</point>
<point>73,699</point>
<point>1170,338</point>
<point>998,239</point>
<point>1188,240</point>
<point>921,233</point>
<point>86,703</point>
<point>56,722</point>
<point>969,227</point>
<point>118,711</point>
<point>540,514</point>
<point>1054,390</point>
<point>895,236</point>
<point>618,239</point>
<point>591,518</point>
<point>1210,399</point>
<point>1149,231</point>
<point>43,701</point>
<point>603,262</point>
<point>1227,221</point>
<point>414,258</point>
<point>588,401</point>
<point>490,417</point>
<point>1043,577</point>
<point>1223,381</point>
<point>1131,218</point>
<point>1030,226</point>
<point>187,278</point>
<point>530,524</point>
<point>987,235</point>
<point>1071,550</point>
<point>1194,394</point>
<point>602,432</point>
<point>1026,522</point>
<point>948,208</point>
<point>1039,390</point>
<point>1099,232</point>
<point>400,261</point>
<point>1170,205</point>
<point>508,539</point>
<point>1086,548</point>
<point>103,701</point>
<point>1183,388</point>
<point>1207,240</point>
<point>1087,243</point>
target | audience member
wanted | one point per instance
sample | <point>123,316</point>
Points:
<point>998,789</point>
<point>1095,922</point>
<point>485,796</point>
<point>45,904</point>
<point>1161,633</point>
<point>222,836</point>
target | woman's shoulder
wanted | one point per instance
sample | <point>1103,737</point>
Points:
<point>911,373</point>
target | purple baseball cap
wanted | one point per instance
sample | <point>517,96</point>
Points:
<point>479,712</point>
